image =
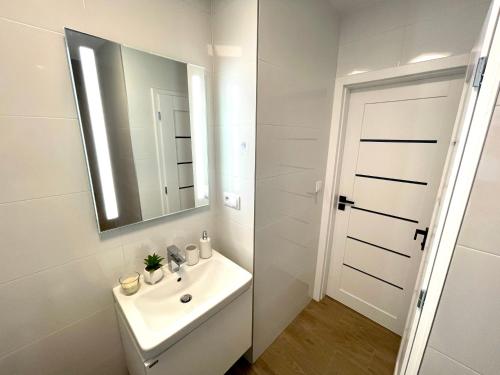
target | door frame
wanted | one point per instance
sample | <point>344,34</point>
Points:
<point>343,86</point>
<point>474,120</point>
<point>157,122</point>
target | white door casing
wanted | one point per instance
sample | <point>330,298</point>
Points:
<point>396,142</point>
<point>173,143</point>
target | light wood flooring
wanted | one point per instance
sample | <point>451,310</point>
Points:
<point>327,338</point>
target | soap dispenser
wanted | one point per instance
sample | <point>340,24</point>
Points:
<point>205,245</point>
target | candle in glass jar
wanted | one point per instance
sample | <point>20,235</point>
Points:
<point>130,284</point>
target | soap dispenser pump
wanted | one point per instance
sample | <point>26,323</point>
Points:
<point>205,245</point>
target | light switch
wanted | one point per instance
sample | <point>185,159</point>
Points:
<point>318,186</point>
<point>232,200</point>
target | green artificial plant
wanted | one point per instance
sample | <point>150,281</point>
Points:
<point>153,262</point>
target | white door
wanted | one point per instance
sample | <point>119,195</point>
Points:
<point>174,151</point>
<point>396,142</point>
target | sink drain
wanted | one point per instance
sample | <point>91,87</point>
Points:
<point>186,298</point>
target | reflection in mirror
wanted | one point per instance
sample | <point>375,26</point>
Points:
<point>144,123</point>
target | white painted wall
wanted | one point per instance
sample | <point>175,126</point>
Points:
<point>390,33</point>
<point>235,76</point>
<point>56,273</point>
<point>296,71</point>
<point>465,336</point>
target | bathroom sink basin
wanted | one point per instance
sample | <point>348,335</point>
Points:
<point>158,318</point>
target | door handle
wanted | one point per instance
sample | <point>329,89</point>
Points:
<point>424,233</point>
<point>343,201</point>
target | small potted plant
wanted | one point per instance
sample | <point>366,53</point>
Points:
<point>153,271</point>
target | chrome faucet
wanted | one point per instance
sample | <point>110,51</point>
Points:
<point>174,258</point>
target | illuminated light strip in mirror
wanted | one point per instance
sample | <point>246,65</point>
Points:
<point>199,140</point>
<point>93,94</point>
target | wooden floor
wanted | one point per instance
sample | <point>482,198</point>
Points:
<point>327,338</point>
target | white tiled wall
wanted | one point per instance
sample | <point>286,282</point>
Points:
<point>396,32</point>
<point>465,336</point>
<point>235,75</point>
<point>56,273</point>
<point>296,70</point>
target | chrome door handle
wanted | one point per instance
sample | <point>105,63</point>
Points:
<point>343,201</point>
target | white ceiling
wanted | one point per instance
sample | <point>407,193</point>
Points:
<point>346,6</point>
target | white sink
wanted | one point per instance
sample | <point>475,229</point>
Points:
<point>158,318</point>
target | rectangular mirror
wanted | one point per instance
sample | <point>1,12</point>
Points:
<point>144,125</point>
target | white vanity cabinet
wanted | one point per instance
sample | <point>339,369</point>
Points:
<point>210,349</point>
<point>162,333</point>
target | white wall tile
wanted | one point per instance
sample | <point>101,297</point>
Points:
<point>280,264</point>
<point>67,269</point>
<point>48,232</point>
<point>235,32</point>
<point>56,298</point>
<point>482,220</point>
<point>83,348</point>
<point>41,14</point>
<point>157,29</point>
<point>235,76</point>
<point>439,10</point>
<point>35,77</point>
<point>234,87</point>
<point>375,52</point>
<point>454,34</point>
<point>378,18</point>
<point>50,163</point>
<point>287,27</point>
<point>297,64</point>
<point>436,363</point>
<point>277,150</point>
<point>235,151</point>
<point>278,197</point>
<point>464,327</point>
<point>202,5</point>
<point>393,32</point>
<point>235,241</point>
<point>292,97</point>
<point>156,235</point>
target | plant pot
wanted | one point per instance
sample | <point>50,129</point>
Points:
<point>152,277</point>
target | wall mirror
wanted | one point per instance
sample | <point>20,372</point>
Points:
<point>144,125</point>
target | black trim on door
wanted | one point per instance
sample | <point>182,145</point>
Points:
<point>384,214</point>
<point>375,277</point>
<point>391,179</point>
<point>399,140</point>
<point>379,247</point>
